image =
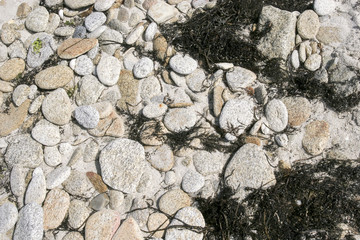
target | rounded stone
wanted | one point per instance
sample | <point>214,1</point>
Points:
<point>161,158</point>
<point>207,163</point>
<point>143,67</point>
<point>76,4</point>
<point>324,7</point>
<point>36,190</point>
<point>78,184</point>
<point>90,90</point>
<point>180,119</point>
<point>37,20</point>
<point>8,217</point>
<point>46,133</point>
<point>316,137</point>
<point>52,156</point>
<point>103,5</point>
<point>313,62</point>
<point>73,236</point>
<point>94,20</point>
<point>78,213</point>
<point>55,208</point>
<point>64,31</point>
<point>299,110</point>
<point>192,181</point>
<point>308,24</point>
<point>74,47</point>
<point>8,36</point>
<point>295,60</point>
<point>30,225</point>
<point>87,116</point>
<point>56,107</point>
<point>102,225</point>
<point>154,110</point>
<point>108,70</point>
<point>195,80</point>
<point>84,65</point>
<point>183,64</point>
<point>57,176</point>
<point>276,115</point>
<point>20,94</point>
<point>11,69</point>
<point>174,200</point>
<point>236,115</point>
<point>150,32</point>
<point>239,78</point>
<point>99,202</point>
<point>157,221</point>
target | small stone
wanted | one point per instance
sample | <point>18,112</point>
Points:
<point>295,61</point>
<point>90,90</point>
<point>174,200</point>
<point>162,12</point>
<point>103,5</point>
<point>224,65</point>
<point>148,134</point>
<point>76,4</point>
<point>308,24</point>
<point>157,221</point>
<point>208,163</point>
<point>57,176</point>
<point>8,36</point>
<point>116,128</point>
<point>116,200</point>
<point>78,184</point>
<point>11,69</point>
<point>78,213</point>
<point>108,70</point>
<point>253,140</point>
<point>20,94</point>
<point>14,118</point>
<point>329,35</point>
<point>180,119</point>
<point>17,180</point>
<point>74,47</point>
<point>135,34</point>
<point>195,80</point>
<point>236,115</point>
<point>101,127</point>
<point>102,225</point>
<point>8,217</point>
<point>99,202</point>
<point>239,78</point>
<point>179,80</point>
<point>91,151</point>
<point>299,110</point>
<point>248,167</point>
<point>316,137</point>
<point>37,20</point>
<point>36,190</point>
<point>170,178</point>
<point>112,40</point>
<point>183,64</point>
<point>218,100</point>
<point>189,216</point>
<point>3,52</point>
<point>150,87</point>
<point>73,236</point>
<point>76,156</point>
<point>30,223</point>
<point>97,182</point>
<point>129,89</point>
<point>277,115</point>
<point>80,32</point>
<point>24,151</point>
<point>313,62</point>
<point>40,50</point>
<point>154,110</point>
<point>87,116</point>
<point>64,31</point>
<point>53,23</point>
<point>17,50</point>
<point>160,47</point>
<point>55,208</point>
<point>324,7</point>
<point>23,10</point>
<point>129,229</point>
<point>56,107</point>
<point>281,140</point>
<point>161,158</point>
<point>150,32</point>
<point>143,67</point>
<point>135,18</point>
<point>192,181</point>
<point>46,133</point>
<point>147,4</point>
<point>84,65</point>
<point>124,14</point>
<point>52,156</point>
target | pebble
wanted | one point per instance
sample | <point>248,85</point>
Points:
<point>179,80</point>
<point>74,47</point>
<point>154,110</point>
<point>150,87</point>
<point>78,184</point>
<point>324,7</point>
<point>64,31</point>
<point>161,158</point>
<point>143,67</point>
<point>183,64</point>
<point>99,202</point>
<point>84,65</point>
<point>208,163</point>
<point>37,20</point>
<point>3,52</point>
<point>236,115</point>
<point>150,31</point>
<point>53,23</point>
<point>129,229</point>
<point>180,119</point>
<point>276,115</point>
<point>195,80</point>
<point>76,4</point>
<point>17,180</point>
<point>104,108</point>
<point>36,190</point>
<point>239,78</point>
<point>36,58</point>
<point>79,32</point>
<point>11,69</point>
<point>308,24</point>
<point>97,182</point>
<point>316,137</point>
<point>157,221</point>
<point>57,176</point>
<point>30,223</point>
<point>111,40</point>
<point>13,119</point>
<point>8,36</point>
<point>73,236</point>
<point>23,10</point>
<point>24,151</point>
<point>116,200</point>
<point>102,225</point>
<point>135,34</point>
<point>52,156</point>
<point>78,213</point>
<point>248,167</point>
<point>90,90</point>
<point>281,140</point>
<point>87,116</point>
<point>190,216</point>
<point>218,101</point>
<point>91,151</point>
<point>46,133</point>
<point>55,208</point>
<point>57,108</point>
<point>313,62</point>
<point>17,50</point>
<point>20,94</point>
<point>160,46</point>
<point>108,70</point>
<point>192,181</point>
<point>162,12</point>
<point>173,200</point>
<point>8,217</point>
<point>124,14</point>
<point>295,61</point>
<point>299,110</point>
<point>122,163</point>
<point>103,5</point>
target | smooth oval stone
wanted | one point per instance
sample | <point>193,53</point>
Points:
<point>56,107</point>
<point>31,224</point>
<point>74,47</point>
<point>183,64</point>
<point>316,137</point>
<point>54,77</point>
<point>277,115</point>
<point>56,205</point>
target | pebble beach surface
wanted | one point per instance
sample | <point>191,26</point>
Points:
<point>72,81</point>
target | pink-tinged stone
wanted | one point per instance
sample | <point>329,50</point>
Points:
<point>102,225</point>
<point>74,47</point>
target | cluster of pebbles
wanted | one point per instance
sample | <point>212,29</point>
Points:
<point>66,153</point>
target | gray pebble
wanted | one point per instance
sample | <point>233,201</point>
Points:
<point>192,181</point>
<point>37,20</point>
<point>36,190</point>
<point>64,31</point>
<point>150,31</point>
<point>108,70</point>
<point>57,176</point>
<point>183,64</point>
<point>46,133</point>
<point>87,116</point>
<point>30,224</point>
<point>52,156</point>
<point>99,202</point>
<point>103,5</point>
<point>80,32</point>
<point>8,217</point>
<point>17,50</point>
<point>143,67</point>
<point>281,140</point>
<point>84,65</point>
<point>277,115</point>
<point>94,20</point>
<point>20,94</point>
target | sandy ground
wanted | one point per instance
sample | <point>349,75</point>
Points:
<point>8,9</point>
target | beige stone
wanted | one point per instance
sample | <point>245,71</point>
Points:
<point>74,47</point>
<point>299,110</point>
<point>157,221</point>
<point>14,119</point>
<point>316,137</point>
<point>129,89</point>
<point>129,229</point>
<point>56,205</point>
<point>54,77</point>
<point>174,200</point>
<point>11,69</point>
